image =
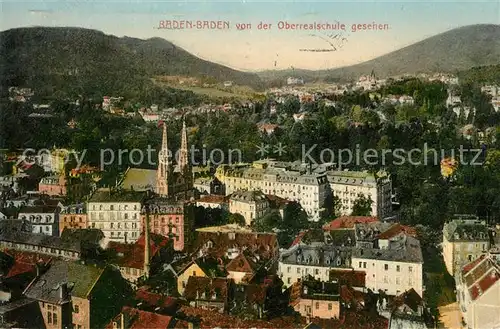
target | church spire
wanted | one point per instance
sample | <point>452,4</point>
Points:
<point>162,174</point>
<point>183,156</point>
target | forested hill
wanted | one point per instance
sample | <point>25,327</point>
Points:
<point>79,60</point>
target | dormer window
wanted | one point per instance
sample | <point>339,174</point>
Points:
<point>457,236</point>
<point>232,236</point>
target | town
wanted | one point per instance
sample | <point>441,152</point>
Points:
<point>272,242</point>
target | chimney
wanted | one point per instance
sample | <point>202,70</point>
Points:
<point>146,245</point>
<point>122,321</point>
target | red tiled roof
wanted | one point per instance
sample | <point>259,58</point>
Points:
<point>133,254</point>
<point>197,285</point>
<point>241,264</point>
<point>153,299</point>
<point>350,278</point>
<point>397,229</point>
<point>212,198</point>
<point>276,201</point>
<point>489,280</point>
<point>138,319</point>
<point>467,268</point>
<point>298,238</point>
<point>212,319</point>
<point>25,262</point>
<point>348,222</point>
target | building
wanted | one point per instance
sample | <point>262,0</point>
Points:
<point>71,245</point>
<point>133,318</point>
<point>172,219</point>
<point>390,256</point>
<point>53,185</point>
<point>294,81</point>
<point>317,260</point>
<point>408,311</point>
<point>73,216</point>
<point>205,267</point>
<point>72,295</point>
<point>478,291</point>
<point>135,260</point>
<point>315,299</point>
<point>348,186</point>
<point>308,188</point>
<point>250,204</point>
<point>213,202</point>
<point>465,238</point>
<point>208,293</point>
<point>209,185</point>
<point>43,219</point>
<point>117,213</point>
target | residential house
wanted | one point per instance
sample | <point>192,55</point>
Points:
<point>391,257</point>
<point>135,260</point>
<point>478,293</point>
<point>73,295</point>
<point>117,213</point>
<point>172,219</point>
<point>213,202</point>
<point>43,219</point>
<point>315,299</point>
<point>73,216</point>
<point>409,311</point>
<point>133,318</point>
<point>465,238</point>
<point>208,293</point>
<point>250,204</point>
<point>244,267</point>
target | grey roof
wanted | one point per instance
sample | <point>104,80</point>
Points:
<point>77,279</point>
<point>248,196</point>
<point>402,248</point>
<point>466,230</point>
<point>74,209</point>
<point>318,255</point>
<point>275,174</point>
<point>38,210</point>
<point>104,195</point>
<point>370,231</point>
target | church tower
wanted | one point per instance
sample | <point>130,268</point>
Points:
<point>164,167</point>
<point>184,164</point>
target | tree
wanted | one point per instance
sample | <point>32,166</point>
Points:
<point>236,219</point>
<point>362,206</point>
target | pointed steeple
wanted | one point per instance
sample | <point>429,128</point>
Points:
<point>183,156</point>
<point>163,172</point>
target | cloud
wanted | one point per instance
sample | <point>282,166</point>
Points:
<point>40,12</point>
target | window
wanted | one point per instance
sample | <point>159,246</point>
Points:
<point>360,264</point>
<point>317,305</point>
<point>329,306</point>
<point>54,318</point>
<point>194,273</point>
<point>183,284</point>
<point>364,264</point>
<point>43,305</point>
<point>298,270</point>
<point>410,269</point>
<point>397,281</point>
<point>397,268</point>
<point>49,307</point>
<point>76,309</point>
<point>386,267</point>
<point>49,317</point>
<point>386,279</point>
<point>289,280</point>
<point>288,269</point>
<point>316,271</point>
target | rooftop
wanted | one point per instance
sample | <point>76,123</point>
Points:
<point>319,255</point>
<point>348,222</point>
<point>403,249</point>
<point>248,196</point>
<point>105,195</point>
<point>466,230</point>
<point>74,278</point>
<point>138,319</point>
<point>131,255</point>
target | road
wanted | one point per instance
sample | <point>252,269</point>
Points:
<point>451,318</point>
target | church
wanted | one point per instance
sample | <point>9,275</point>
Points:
<point>170,180</point>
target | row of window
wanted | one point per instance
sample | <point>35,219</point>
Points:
<point>112,207</point>
<point>111,216</point>
<point>52,251</point>
<point>386,267</point>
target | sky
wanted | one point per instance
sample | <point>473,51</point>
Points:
<point>253,49</point>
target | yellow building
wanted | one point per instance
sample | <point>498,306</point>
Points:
<point>464,240</point>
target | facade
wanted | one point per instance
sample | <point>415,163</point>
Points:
<point>250,204</point>
<point>314,299</point>
<point>209,185</point>
<point>133,318</point>
<point>43,219</point>
<point>408,311</point>
<point>308,188</point>
<point>464,239</point>
<point>116,213</point>
<point>302,261</point>
<point>53,185</point>
<point>478,293</point>
<point>349,185</point>
<point>390,257</point>
<point>173,219</point>
<point>73,216</point>
<point>208,293</point>
<point>72,295</point>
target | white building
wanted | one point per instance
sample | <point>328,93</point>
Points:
<point>349,185</point>
<point>280,179</point>
<point>294,81</point>
<point>478,293</point>
<point>391,258</point>
<point>250,204</point>
<point>43,219</point>
<point>116,213</point>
